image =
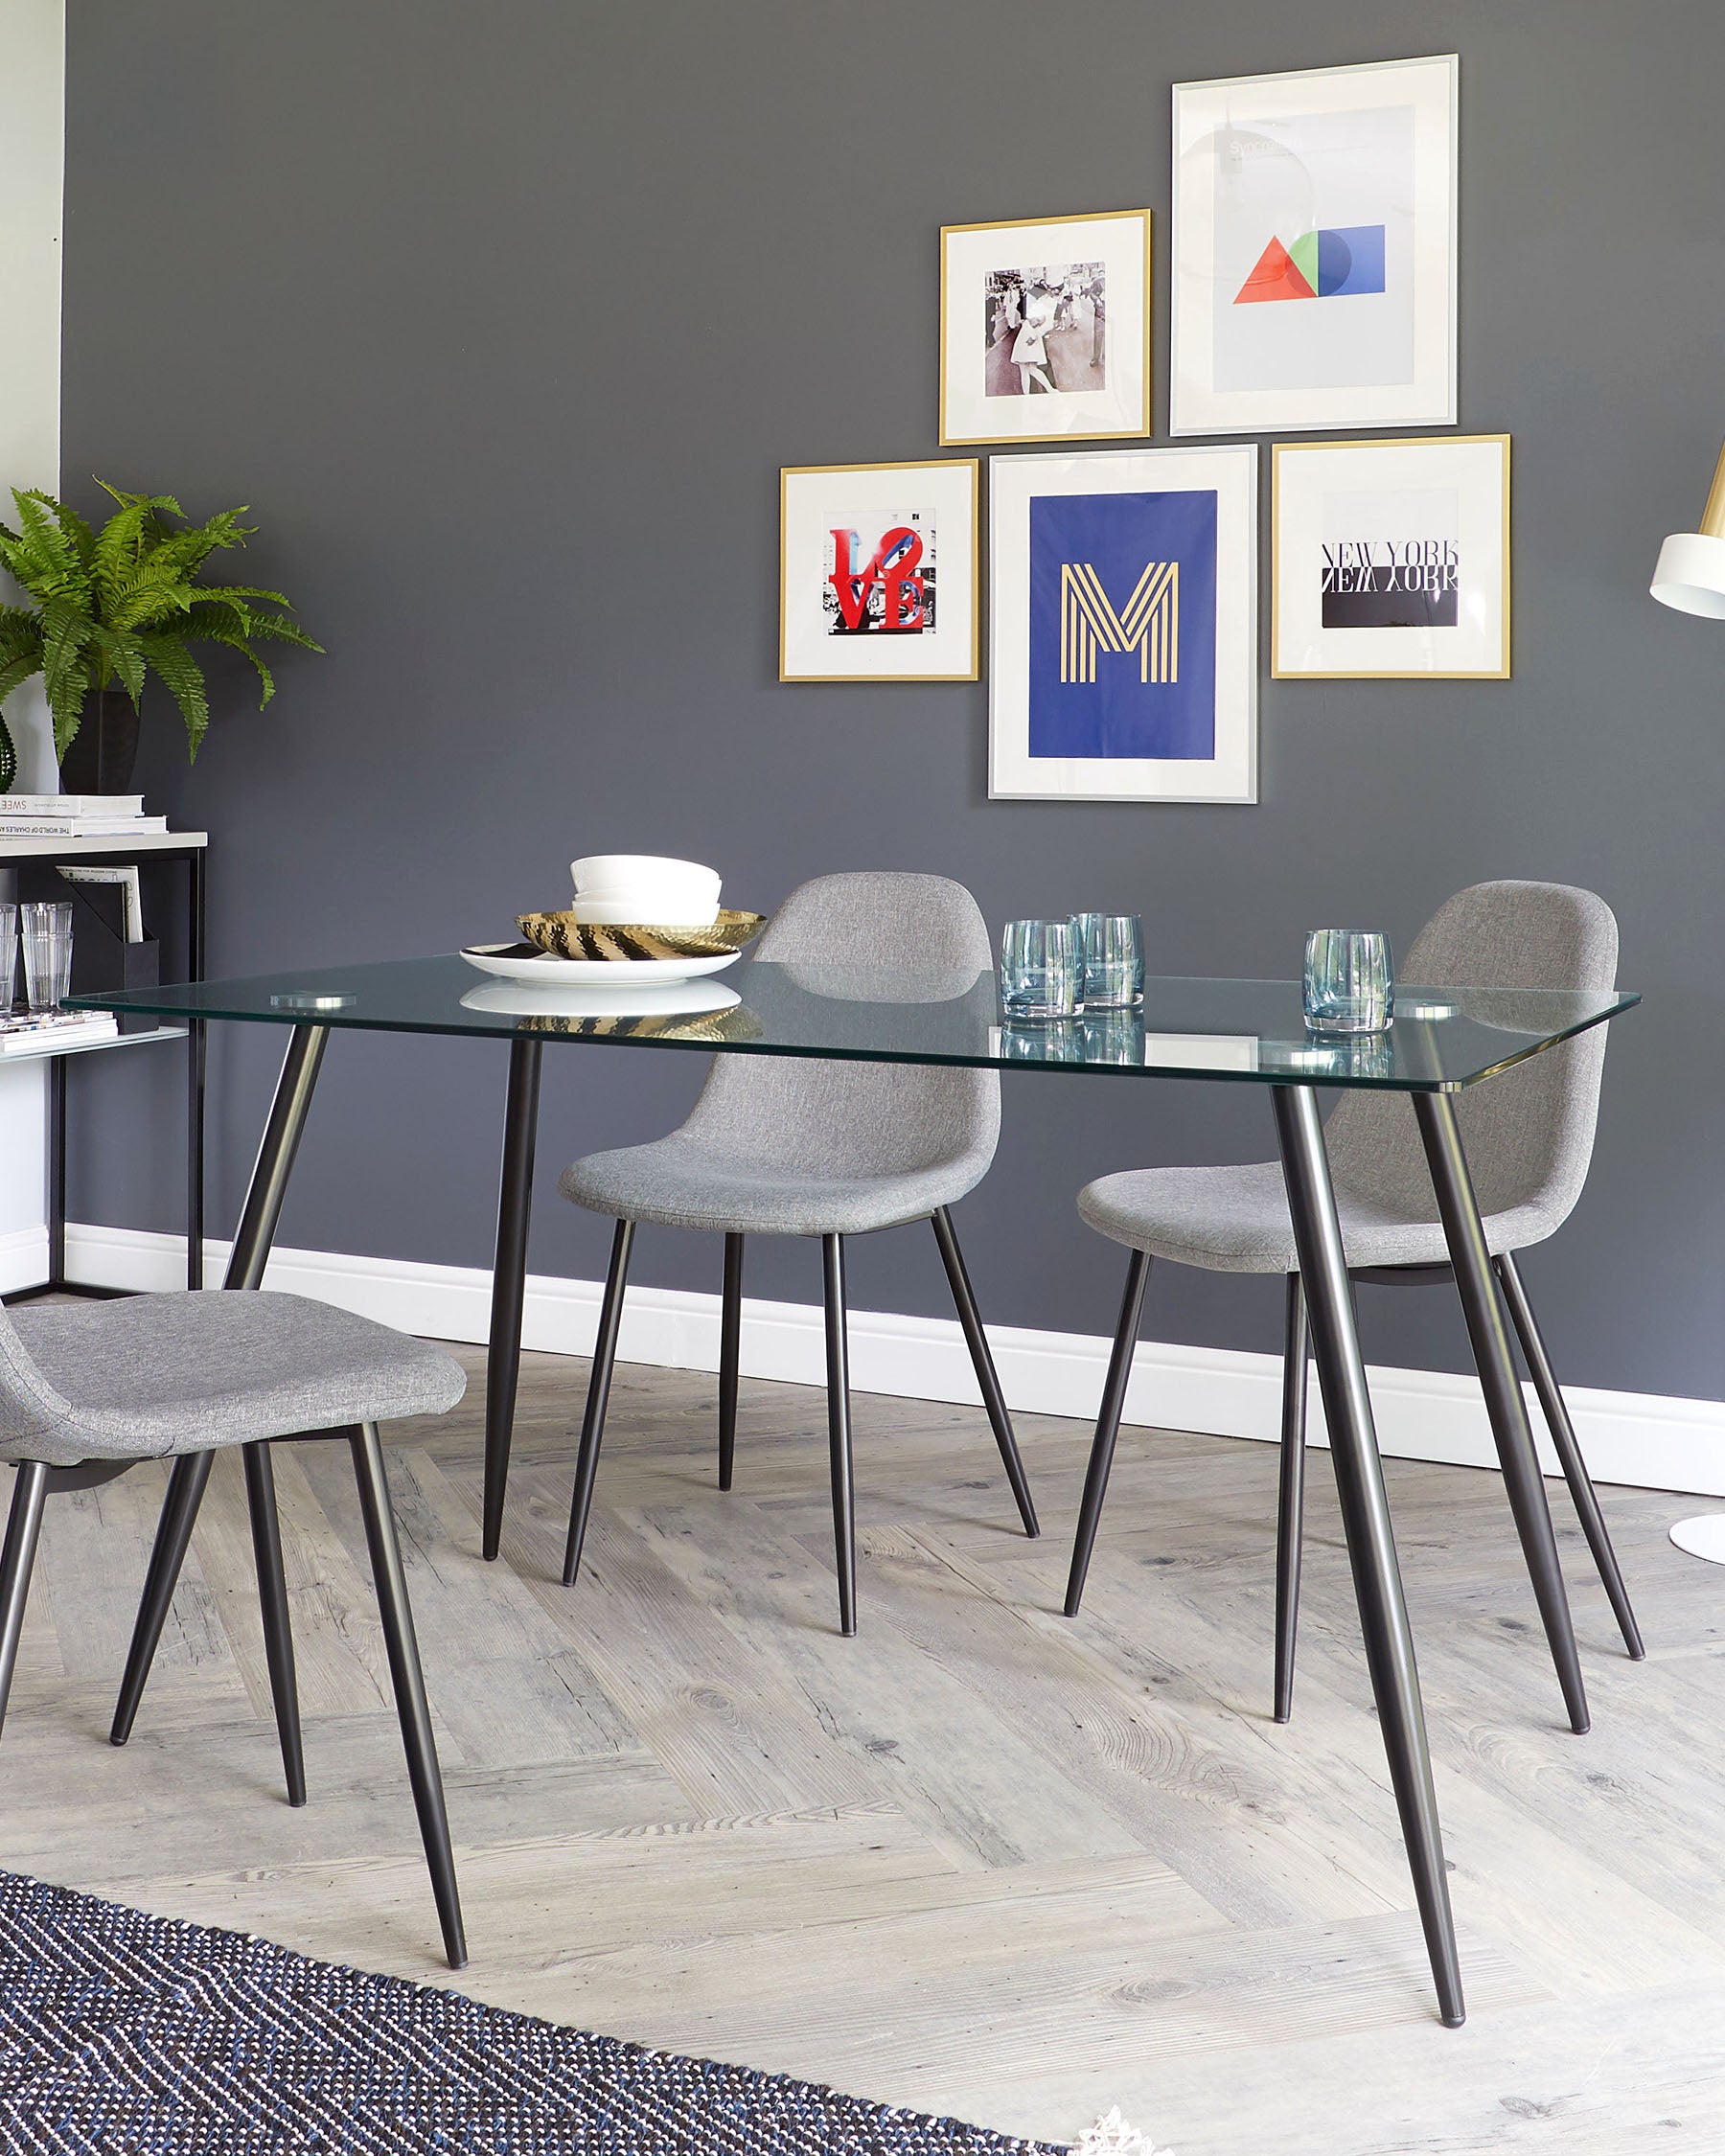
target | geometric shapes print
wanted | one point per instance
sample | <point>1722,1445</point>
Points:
<point>1336,261</point>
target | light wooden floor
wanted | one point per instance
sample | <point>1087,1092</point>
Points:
<point>977,1860</point>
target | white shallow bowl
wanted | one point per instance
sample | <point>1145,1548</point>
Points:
<point>520,962</point>
<point>665,999</point>
<point>626,912</point>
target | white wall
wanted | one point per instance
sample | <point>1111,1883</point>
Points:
<point>33,38</point>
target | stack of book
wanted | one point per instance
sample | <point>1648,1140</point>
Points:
<point>76,816</point>
<point>52,1032</point>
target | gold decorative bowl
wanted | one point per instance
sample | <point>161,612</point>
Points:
<point>565,937</point>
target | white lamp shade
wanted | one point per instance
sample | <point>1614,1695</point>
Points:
<point>1691,574</point>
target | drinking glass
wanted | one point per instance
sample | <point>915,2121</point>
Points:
<point>1039,970</point>
<point>47,939</point>
<point>9,956</point>
<point>1347,981</point>
<point>1112,952</point>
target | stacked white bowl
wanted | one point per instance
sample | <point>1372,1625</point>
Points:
<point>644,890</point>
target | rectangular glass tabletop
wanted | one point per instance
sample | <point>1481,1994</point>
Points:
<point>1251,1031</point>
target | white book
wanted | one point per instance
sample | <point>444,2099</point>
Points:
<point>76,827</point>
<point>57,1029</point>
<point>71,804</point>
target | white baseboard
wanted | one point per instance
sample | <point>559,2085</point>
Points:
<point>24,1258</point>
<point>1641,1438</point>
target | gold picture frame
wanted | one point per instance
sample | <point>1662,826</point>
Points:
<point>945,500</point>
<point>1310,482</point>
<point>970,263</point>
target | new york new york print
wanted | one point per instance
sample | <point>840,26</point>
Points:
<point>1123,626</point>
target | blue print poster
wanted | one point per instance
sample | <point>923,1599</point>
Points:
<point>1123,626</point>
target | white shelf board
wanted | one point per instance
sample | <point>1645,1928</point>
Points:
<point>70,849</point>
<point>92,1048</point>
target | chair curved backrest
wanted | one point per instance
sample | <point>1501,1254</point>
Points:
<point>827,1118</point>
<point>1530,1131</point>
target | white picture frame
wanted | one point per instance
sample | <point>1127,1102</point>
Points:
<point>1391,560</point>
<point>1075,293</point>
<point>1123,626</point>
<point>848,599</point>
<point>1314,249</point>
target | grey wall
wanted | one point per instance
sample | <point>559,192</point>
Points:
<point>503,318</point>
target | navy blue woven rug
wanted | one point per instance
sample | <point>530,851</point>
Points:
<point>125,2032</point>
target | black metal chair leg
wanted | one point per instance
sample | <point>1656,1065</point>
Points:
<point>1291,1501</point>
<point>1483,1307</point>
<point>1568,1448</point>
<point>731,1347</point>
<point>592,1427</point>
<point>186,1483</point>
<point>408,1681</point>
<point>970,1321</point>
<point>838,1432</point>
<point>18,1557</point>
<point>1108,1425</point>
<point>272,1600</point>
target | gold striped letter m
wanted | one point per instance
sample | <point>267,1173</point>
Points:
<point>1148,624</point>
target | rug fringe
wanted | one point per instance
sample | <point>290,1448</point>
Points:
<point>1114,2135</point>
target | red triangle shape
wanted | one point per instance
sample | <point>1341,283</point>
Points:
<point>1275,278</point>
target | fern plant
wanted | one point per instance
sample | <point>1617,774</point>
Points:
<point>114,606</point>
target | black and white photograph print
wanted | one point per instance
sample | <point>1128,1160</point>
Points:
<point>1045,328</point>
<point>1391,559</point>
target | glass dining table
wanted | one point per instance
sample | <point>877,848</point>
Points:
<point>1443,1040</point>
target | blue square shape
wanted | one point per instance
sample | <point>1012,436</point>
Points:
<point>1108,542</point>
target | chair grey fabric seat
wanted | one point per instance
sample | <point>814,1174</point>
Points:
<point>89,1389</point>
<point>680,1182</point>
<point>809,1147</point>
<point>1236,1220</point>
<point>151,1375</point>
<point>1528,1135</point>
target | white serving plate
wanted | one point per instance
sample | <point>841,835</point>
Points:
<point>661,998</point>
<point>506,961</point>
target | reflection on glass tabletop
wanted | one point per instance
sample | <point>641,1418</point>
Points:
<point>1245,1030</point>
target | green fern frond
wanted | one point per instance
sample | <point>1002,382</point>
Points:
<point>122,656</point>
<point>20,635</point>
<point>14,674</point>
<point>39,555</point>
<point>68,690</point>
<point>67,630</point>
<point>183,677</point>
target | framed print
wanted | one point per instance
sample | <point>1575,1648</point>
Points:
<point>1314,250</point>
<point>877,571</point>
<point>1124,626</point>
<point>1045,328</point>
<point>1391,559</point>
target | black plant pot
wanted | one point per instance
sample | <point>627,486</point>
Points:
<point>105,749</point>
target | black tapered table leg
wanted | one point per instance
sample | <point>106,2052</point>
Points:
<point>17,1560</point>
<point>1569,1450</point>
<point>186,1481</point>
<point>1290,1510</point>
<point>1366,1518</point>
<point>598,1399</point>
<point>839,1431</point>
<point>509,1280</point>
<point>272,1600</point>
<point>730,1354</point>
<point>970,1321</point>
<point>408,1681</point>
<point>1484,1309</point>
<point>1108,1426</point>
<point>253,1239</point>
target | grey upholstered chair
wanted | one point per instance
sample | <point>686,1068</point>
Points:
<point>88,1390</point>
<point>1528,1135</point>
<point>788,1146</point>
